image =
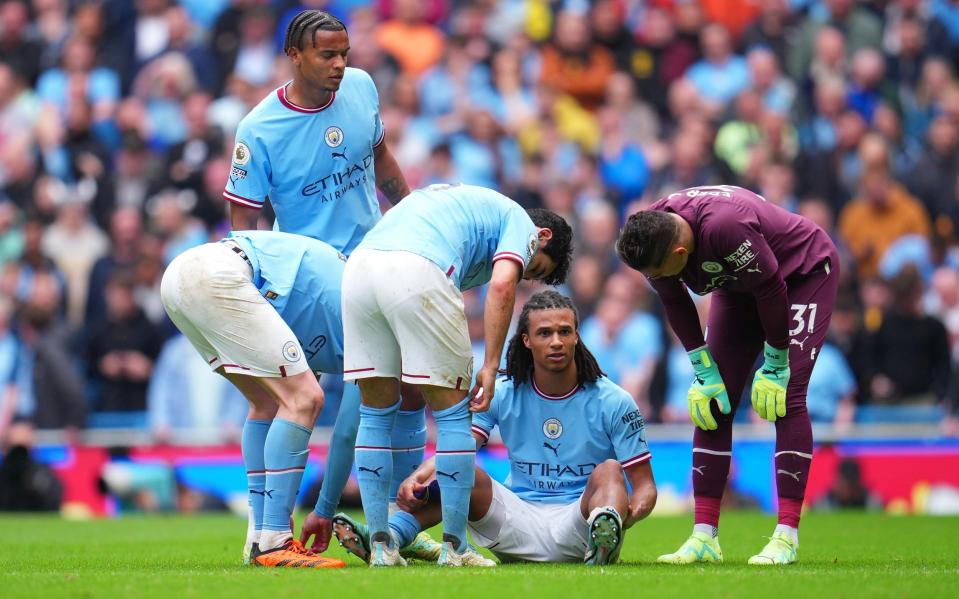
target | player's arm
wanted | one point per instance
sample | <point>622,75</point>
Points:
<point>243,218</point>
<point>389,178</point>
<point>497,313</point>
<point>680,311</point>
<point>643,498</point>
<point>758,270</point>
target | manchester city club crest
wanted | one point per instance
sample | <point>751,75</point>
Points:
<point>241,153</point>
<point>712,267</point>
<point>553,428</point>
<point>333,136</point>
<point>532,247</point>
<point>291,352</point>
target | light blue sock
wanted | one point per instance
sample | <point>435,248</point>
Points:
<point>409,443</point>
<point>405,528</point>
<point>251,445</point>
<point>339,462</point>
<point>285,453</point>
<point>374,466</point>
<point>455,464</point>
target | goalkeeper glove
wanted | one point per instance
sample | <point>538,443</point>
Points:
<point>707,387</point>
<point>770,383</point>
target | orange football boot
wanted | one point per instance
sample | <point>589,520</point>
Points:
<point>293,555</point>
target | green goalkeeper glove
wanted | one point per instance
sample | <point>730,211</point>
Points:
<point>770,383</point>
<point>707,387</point>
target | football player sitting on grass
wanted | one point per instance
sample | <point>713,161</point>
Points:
<point>574,438</point>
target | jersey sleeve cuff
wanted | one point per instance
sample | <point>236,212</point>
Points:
<point>511,256</point>
<point>242,201</point>
<point>381,139</point>
<point>480,431</point>
<point>639,459</point>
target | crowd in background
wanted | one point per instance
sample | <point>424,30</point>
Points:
<point>117,119</point>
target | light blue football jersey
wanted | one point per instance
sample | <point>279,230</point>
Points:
<point>301,278</point>
<point>554,443</point>
<point>315,165</point>
<point>463,229</point>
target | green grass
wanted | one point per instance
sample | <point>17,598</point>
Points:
<point>179,556</point>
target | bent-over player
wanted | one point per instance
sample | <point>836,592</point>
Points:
<point>404,320</point>
<point>773,276</point>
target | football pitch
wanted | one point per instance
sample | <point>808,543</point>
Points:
<point>842,554</point>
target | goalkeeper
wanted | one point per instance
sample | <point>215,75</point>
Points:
<point>773,276</point>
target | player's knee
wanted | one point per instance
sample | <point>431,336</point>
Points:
<point>609,469</point>
<point>307,402</point>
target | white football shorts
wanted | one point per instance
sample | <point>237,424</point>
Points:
<point>209,294</point>
<point>518,530</point>
<point>403,318</point>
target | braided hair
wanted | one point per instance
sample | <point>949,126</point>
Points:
<point>519,358</point>
<point>307,23</point>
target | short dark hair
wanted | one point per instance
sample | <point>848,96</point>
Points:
<point>307,23</point>
<point>519,358</point>
<point>647,238</point>
<point>560,247</point>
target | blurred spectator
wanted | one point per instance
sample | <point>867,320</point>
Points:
<point>11,233</point>
<point>935,177</point>
<point>74,243</point>
<point>18,277</point>
<point>622,163</point>
<point>18,46</point>
<point>910,360</point>
<point>868,84</point>
<point>184,161</point>
<point>26,485</point>
<point>49,385</point>
<point>586,280</point>
<point>182,39</point>
<point>122,350</point>
<point>738,138</point>
<point>861,28</point>
<point>721,75</point>
<point>771,30</point>
<point>832,388</point>
<point>777,91</point>
<point>626,342</point>
<point>9,355</point>
<point>942,302</point>
<point>574,63</point>
<point>185,396</point>
<point>170,217</point>
<point>126,226</point>
<point>882,213</point>
<point>78,77</point>
<point>410,39</point>
<point>661,57</point>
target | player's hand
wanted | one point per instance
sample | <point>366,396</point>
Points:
<point>482,393</point>
<point>706,388</point>
<point>770,384</point>
<point>321,528</point>
<point>411,495</point>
